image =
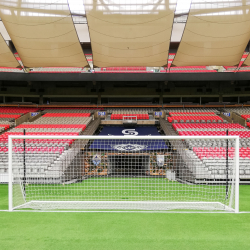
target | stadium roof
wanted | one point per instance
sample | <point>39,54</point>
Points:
<point>126,32</point>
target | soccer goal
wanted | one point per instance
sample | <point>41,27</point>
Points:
<point>124,173</point>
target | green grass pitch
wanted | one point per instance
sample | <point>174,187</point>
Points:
<point>108,231</point>
<point>130,189</point>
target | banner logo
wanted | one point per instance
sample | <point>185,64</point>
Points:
<point>160,160</point>
<point>96,159</point>
<point>129,147</point>
<point>34,114</point>
<point>129,132</point>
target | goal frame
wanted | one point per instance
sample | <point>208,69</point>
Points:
<point>130,118</point>
<point>91,137</point>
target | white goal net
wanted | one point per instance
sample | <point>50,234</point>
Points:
<point>124,173</point>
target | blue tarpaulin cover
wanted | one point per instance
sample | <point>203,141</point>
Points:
<point>129,145</point>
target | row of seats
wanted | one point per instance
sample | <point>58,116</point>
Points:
<point>10,69</point>
<point>129,111</point>
<point>124,68</point>
<point>67,115</point>
<point>4,127</point>
<point>9,116</point>
<point>130,116</point>
<point>220,152</point>
<point>123,71</point>
<point>207,126</point>
<point>57,70</point>
<point>191,113</point>
<point>34,149</point>
<point>241,134</point>
<point>32,125</point>
<point>190,71</point>
<point>200,118</point>
<point>39,142</point>
<point>16,110</point>
<point>191,110</point>
<point>202,133</point>
<point>240,111</point>
<point>70,110</point>
<point>246,117</point>
<point>63,120</point>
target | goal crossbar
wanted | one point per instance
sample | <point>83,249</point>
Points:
<point>120,204</point>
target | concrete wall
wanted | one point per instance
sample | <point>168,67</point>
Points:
<point>22,119</point>
<point>227,118</point>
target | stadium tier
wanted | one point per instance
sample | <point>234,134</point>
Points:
<point>8,115</point>
<point>95,163</point>
<point>71,122</point>
<point>211,153</point>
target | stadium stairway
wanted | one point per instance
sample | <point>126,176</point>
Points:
<point>182,171</point>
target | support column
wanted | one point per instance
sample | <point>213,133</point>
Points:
<point>99,102</point>
<point>220,98</point>
<point>41,99</point>
<point>161,94</point>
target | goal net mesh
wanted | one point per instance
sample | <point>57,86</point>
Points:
<point>123,174</point>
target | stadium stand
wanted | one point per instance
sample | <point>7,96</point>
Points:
<point>59,153</point>
<point>57,70</point>
<point>194,117</point>
<point>119,114</point>
<point>8,115</point>
<point>210,155</point>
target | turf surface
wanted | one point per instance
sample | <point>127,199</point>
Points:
<point>147,231</point>
<point>132,189</point>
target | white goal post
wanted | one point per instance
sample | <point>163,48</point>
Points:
<point>124,173</point>
<point>129,118</point>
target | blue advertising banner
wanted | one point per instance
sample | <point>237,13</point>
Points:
<point>34,114</point>
<point>130,145</point>
<point>103,113</point>
<point>158,113</point>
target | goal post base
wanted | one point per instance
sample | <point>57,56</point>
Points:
<point>124,206</point>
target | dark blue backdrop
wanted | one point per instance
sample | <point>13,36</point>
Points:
<point>129,145</point>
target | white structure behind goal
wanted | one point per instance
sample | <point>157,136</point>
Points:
<point>142,173</point>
